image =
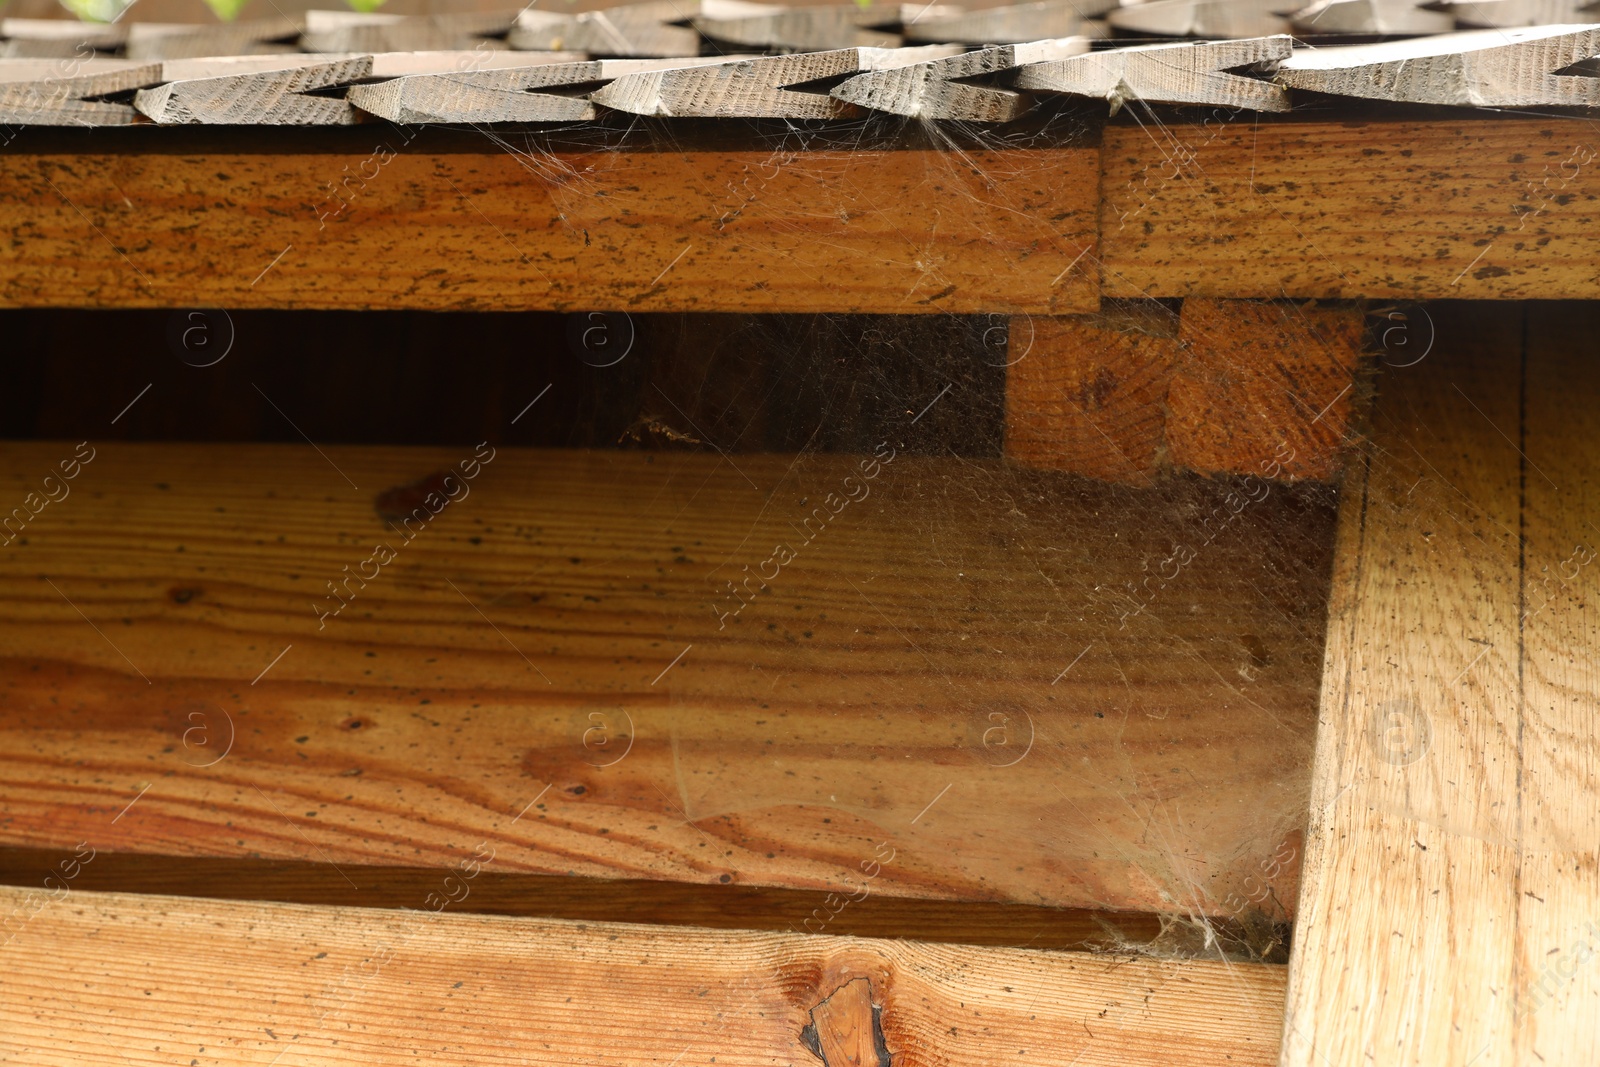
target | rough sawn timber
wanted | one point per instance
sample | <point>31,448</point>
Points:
<point>250,983</point>
<point>1022,703</point>
<point>782,227</point>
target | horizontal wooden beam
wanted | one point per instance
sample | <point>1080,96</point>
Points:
<point>363,986</point>
<point>1441,208</point>
<point>425,219</point>
<point>581,661</point>
<point>740,220</point>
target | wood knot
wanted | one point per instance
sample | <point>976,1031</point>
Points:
<point>846,1029</point>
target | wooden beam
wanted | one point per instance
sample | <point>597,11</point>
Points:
<point>1451,862</point>
<point>360,984</point>
<point>828,226</point>
<point>1266,389</point>
<point>1353,210</point>
<point>1087,394</point>
<point>1017,725</point>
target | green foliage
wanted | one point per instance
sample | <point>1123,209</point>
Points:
<point>227,10</point>
<point>365,5</point>
<point>97,10</point>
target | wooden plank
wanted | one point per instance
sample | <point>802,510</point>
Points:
<point>356,985</point>
<point>1021,721</point>
<point>1351,210</point>
<point>1481,68</point>
<point>1429,754</point>
<point>756,88</point>
<point>268,91</point>
<point>780,226</point>
<point>936,90</point>
<point>1558,823</point>
<point>52,92</point>
<point>1167,74</point>
<point>502,95</point>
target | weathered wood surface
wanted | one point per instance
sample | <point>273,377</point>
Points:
<point>245,983</point>
<point>1476,210</point>
<point>934,89</point>
<point>268,91</point>
<point>1167,74</point>
<point>158,40</point>
<point>1451,862</point>
<point>501,95</point>
<point>1031,704</point>
<point>787,227</point>
<point>653,28</point>
<point>1482,68</point>
<point>52,92</point>
<point>756,88</point>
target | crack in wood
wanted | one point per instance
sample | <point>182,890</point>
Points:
<point>846,1028</point>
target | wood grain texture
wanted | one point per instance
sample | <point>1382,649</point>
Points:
<point>1022,701</point>
<point>1415,210</point>
<point>244,983</point>
<point>945,88</point>
<point>1451,862</point>
<point>1557,1012</point>
<point>756,88</point>
<point>52,92</point>
<point>278,96</point>
<point>1265,387</point>
<point>1481,68</point>
<point>1167,73</point>
<point>1088,394</point>
<point>784,227</point>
